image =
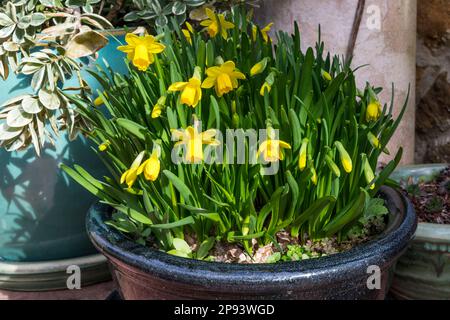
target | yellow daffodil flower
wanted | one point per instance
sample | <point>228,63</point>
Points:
<point>368,172</point>
<point>140,50</point>
<point>264,32</point>
<point>345,158</point>
<point>314,176</point>
<point>216,23</point>
<point>373,111</point>
<point>303,155</point>
<point>187,35</point>
<point>158,107</point>
<point>104,146</point>
<point>373,140</point>
<point>157,110</point>
<point>191,90</point>
<point>223,78</point>
<point>129,177</point>
<point>259,67</point>
<point>188,31</point>
<point>326,75</point>
<point>150,167</point>
<point>194,141</point>
<point>272,150</point>
<point>99,100</point>
<point>265,87</point>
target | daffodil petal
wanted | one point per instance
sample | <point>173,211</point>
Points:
<point>177,86</point>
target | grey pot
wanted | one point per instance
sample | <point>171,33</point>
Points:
<point>423,272</point>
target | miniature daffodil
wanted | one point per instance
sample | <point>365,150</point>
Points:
<point>224,78</point>
<point>314,176</point>
<point>373,140</point>
<point>129,177</point>
<point>373,111</point>
<point>193,140</point>
<point>264,32</point>
<point>188,32</point>
<point>150,167</point>
<point>265,87</point>
<point>303,155</point>
<point>191,90</point>
<point>326,75</point>
<point>259,67</point>
<point>272,150</point>
<point>140,50</point>
<point>99,100</point>
<point>346,161</point>
<point>368,172</point>
<point>216,23</point>
<point>159,107</point>
<point>104,146</point>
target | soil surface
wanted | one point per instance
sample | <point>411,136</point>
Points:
<point>289,248</point>
<point>431,199</point>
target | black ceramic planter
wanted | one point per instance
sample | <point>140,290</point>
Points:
<point>144,273</point>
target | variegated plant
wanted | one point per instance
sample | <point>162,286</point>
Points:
<point>158,11</point>
<point>43,39</point>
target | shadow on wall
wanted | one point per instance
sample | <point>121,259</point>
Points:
<point>40,217</point>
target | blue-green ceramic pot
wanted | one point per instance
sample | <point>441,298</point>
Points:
<point>42,211</point>
<point>423,272</point>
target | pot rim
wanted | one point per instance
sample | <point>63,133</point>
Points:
<point>432,232</point>
<point>381,251</point>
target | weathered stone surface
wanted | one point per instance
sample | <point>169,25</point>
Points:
<point>386,42</point>
<point>433,82</point>
<point>433,128</point>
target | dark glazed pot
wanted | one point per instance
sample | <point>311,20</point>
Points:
<point>144,273</point>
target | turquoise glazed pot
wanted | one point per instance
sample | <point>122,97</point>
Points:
<point>42,211</point>
<point>423,272</point>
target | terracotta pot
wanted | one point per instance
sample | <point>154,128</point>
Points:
<point>144,273</point>
<point>423,272</point>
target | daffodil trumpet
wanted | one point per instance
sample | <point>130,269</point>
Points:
<point>191,91</point>
<point>141,50</point>
<point>223,78</point>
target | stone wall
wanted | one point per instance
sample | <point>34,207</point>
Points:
<point>386,44</point>
<point>433,82</point>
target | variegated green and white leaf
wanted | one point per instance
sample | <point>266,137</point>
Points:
<point>38,79</point>
<point>50,100</point>
<point>5,21</point>
<point>7,31</point>
<point>24,22</point>
<point>4,69</point>
<point>31,105</point>
<point>34,139</point>
<point>7,133</point>
<point>18,118</point>
<point>17,143</point>
<point>37,19</point>
<point>41,130</point>
<point>11,46</point>
<point>14,100</point>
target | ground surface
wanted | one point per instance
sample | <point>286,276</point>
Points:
<point>96,292</point>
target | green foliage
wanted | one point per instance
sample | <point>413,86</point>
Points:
<point>320,118</point>
<point>159,12</point>
<point>43,39</point>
